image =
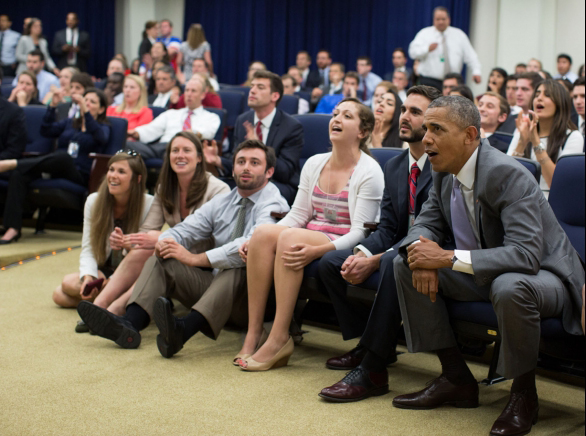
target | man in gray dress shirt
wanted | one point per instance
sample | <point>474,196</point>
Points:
<point>510,250</point>
<point>213,283</point>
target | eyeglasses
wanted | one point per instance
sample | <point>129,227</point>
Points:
<point>129,152</point>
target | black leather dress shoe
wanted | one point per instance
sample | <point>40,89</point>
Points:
<point>81,327</point>
<point>11,240</point>
<point>440,392</point>
<point>170,338</point>
<point>358,384</point>
<point>519,415</point>
<point>352,359</point>
<point>109,326</point>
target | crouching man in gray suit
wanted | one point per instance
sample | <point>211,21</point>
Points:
<point>511,251</point>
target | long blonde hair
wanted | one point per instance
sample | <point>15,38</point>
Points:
<point>142,100</point>
<point>195,36</point>
<point>103,210</point>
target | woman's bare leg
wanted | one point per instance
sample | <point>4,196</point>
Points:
<point>118,306</point>
<point>68,293</point>
<point>123,278</point>
<point>259,273</point>
<point>287,284</point>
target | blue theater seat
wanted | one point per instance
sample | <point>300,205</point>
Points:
<point>382,155</point>
<point>316,135</point>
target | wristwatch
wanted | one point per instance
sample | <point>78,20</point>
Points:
<point>454,259</point>
<point>539,148</point>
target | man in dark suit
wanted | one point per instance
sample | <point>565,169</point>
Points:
<point>271,126</point>
<point>71,46</point>
<point>526,84</point>
<point>12,133</point>
<point>405,192</point>
<point>494,110</point>
<point>320,78</point>
<point>578,100</point>
<point>164,83</point>
<point>510,251</point>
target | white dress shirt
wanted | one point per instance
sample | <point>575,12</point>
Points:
<point>572,77</point>
<point>265,124</point>
<point>459,48</point>
<point>161,100</point>
<point>420,164</point>
<point>170,122</point>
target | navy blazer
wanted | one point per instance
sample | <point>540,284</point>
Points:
<point>12,130</point>
<point>286,138</point>
<point>394,214</point>
<point>509,125</point>
<point>313,81</point>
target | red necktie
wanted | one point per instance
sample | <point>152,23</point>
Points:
<point>187,122</point>
<point>259,131</point>
<point>415,171</point>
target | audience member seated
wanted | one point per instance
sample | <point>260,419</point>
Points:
<point>115,66</point>
<point>71,46</point>
<point>303,62</point>
<point>164,83</point>
<point>515,256</point>
<point>497,81</point>
<point>272,127</point>
<point>511,94</point>
<point>289,86</point>
<point>581,71</point>
<point>79,84</point>
<point>174,272</point>
<point>451,81</point>
<point>328,103</point>
<point>407,183</point>
<point>25,92</point>
<point>399,64</point>
<point>12,133</point>
<point>154,136</point>
<point>463,91</point>
<point>119,207</point>
<point>172,43</point>
<point>295,72</point>
<point>158,54</point>
<point>33,41</point>
<point>65,76</point>
<point>76,140</point>
<point>520,68</point>
<point>578,99</point>
<point>336,79</point>
<point>526,85</point>
<point>149,37</point>
<point>564,66</point>
<point>386,124</point>
<point>368,80</point>
<point>114,89</point>
<point>253,67</point>
<point>566,84</point>
<point>134,107</point>
<point>135,66</point>
<point>534,66</point>
<point>443,49</point>
<point>10,38</point>
<point>494,111</point>
<point>323,61</point>
<point>382,88</point>
<point>339,191</point>
<point>195,47</point>
<point>35,62</point>
<point>211,99</point>
<point>401,80</point>
<point>200,66</point>
<point>183,187</point>
<point>152,82</point>
<point>548,133</point>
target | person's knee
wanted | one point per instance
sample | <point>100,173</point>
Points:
<point>387,260</point>
<point>509,288</point>
<point>399,266</point>
<point>61,299</point>
<point>264,234</point>
<point>287,238</point>
<point>332,261</point>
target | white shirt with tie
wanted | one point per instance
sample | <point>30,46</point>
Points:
<point>460,52</point>
<point>72,36</point>
<point>265,124</point>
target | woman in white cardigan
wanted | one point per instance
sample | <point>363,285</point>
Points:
<point>30,42</point>
<point>120,206</point>
<point>338,193</point>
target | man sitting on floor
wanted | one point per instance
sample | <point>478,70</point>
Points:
<point>510,251</point>
<point>175,272</point>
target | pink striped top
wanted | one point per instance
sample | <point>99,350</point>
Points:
<point>322,203</point>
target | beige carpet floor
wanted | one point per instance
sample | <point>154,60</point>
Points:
<point>31,245</point>
<point>56,382</point>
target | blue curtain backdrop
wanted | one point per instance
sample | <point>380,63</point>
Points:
<point>95,17</point>
<point>273,31</point>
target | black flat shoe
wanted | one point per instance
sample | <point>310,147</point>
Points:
<point>109,326</point>
<point>81,327</point>
<point>11,240</point>
<point>170,338</point>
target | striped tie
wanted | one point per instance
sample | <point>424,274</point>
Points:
<point>187,122</point>
<point>415,171</point>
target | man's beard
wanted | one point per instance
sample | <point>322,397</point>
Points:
<point>415,135</point>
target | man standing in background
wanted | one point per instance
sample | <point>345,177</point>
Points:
<point>8,40</point>
<point>71,46</point>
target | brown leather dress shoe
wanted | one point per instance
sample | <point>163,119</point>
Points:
<point>519,415</point>
<point>358,384</point>
<point>440,392</point>
<point>347,361</point>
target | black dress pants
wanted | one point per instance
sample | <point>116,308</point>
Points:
<point>58,164</point>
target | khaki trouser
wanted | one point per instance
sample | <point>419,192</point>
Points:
<point>218,298</point>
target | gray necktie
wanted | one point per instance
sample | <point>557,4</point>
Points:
<point>461,227</point>
<point>446,56</point>
<point>238,230</point>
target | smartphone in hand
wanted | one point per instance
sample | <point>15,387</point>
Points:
<point>92,285</point>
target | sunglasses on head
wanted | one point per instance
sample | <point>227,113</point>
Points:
<point>129,152</point>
